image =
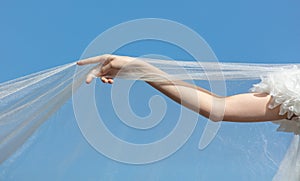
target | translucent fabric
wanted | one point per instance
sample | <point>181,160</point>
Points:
<point>29,101</point>
<point>290,166</point>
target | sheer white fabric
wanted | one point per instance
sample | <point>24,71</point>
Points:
<point>289,168</point>
<point>28,101</point>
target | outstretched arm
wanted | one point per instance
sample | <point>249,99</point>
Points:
<point>248,107</point>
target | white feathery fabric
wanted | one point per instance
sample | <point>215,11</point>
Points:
<point>284,87</point>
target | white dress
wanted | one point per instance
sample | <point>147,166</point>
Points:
<point>284,87</point>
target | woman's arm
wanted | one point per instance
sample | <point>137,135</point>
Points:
<point>248,107</point>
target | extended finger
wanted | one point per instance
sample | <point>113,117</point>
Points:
<point>92,60</point>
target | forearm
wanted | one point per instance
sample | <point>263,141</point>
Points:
<point>188,95</point>
<point>238,108</point>
<point>192,97</point>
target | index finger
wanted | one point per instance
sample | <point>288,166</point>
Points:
<point>92,60</point>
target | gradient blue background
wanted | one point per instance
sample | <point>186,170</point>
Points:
<point>38,35</point>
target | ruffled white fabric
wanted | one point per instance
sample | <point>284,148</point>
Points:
<point>284,87</point>
<point>289,169</point>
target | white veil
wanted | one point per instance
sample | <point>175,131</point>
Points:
<point>29,101</point>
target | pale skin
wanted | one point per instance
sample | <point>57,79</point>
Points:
<point>247,107</point>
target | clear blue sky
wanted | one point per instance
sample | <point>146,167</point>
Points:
<point>38,35</point>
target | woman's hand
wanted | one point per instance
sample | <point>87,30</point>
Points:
<point>108,66</point>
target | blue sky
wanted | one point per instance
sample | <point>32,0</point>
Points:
<point>39,35</point>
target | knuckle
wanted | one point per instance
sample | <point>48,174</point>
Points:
<point>110,57</point>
